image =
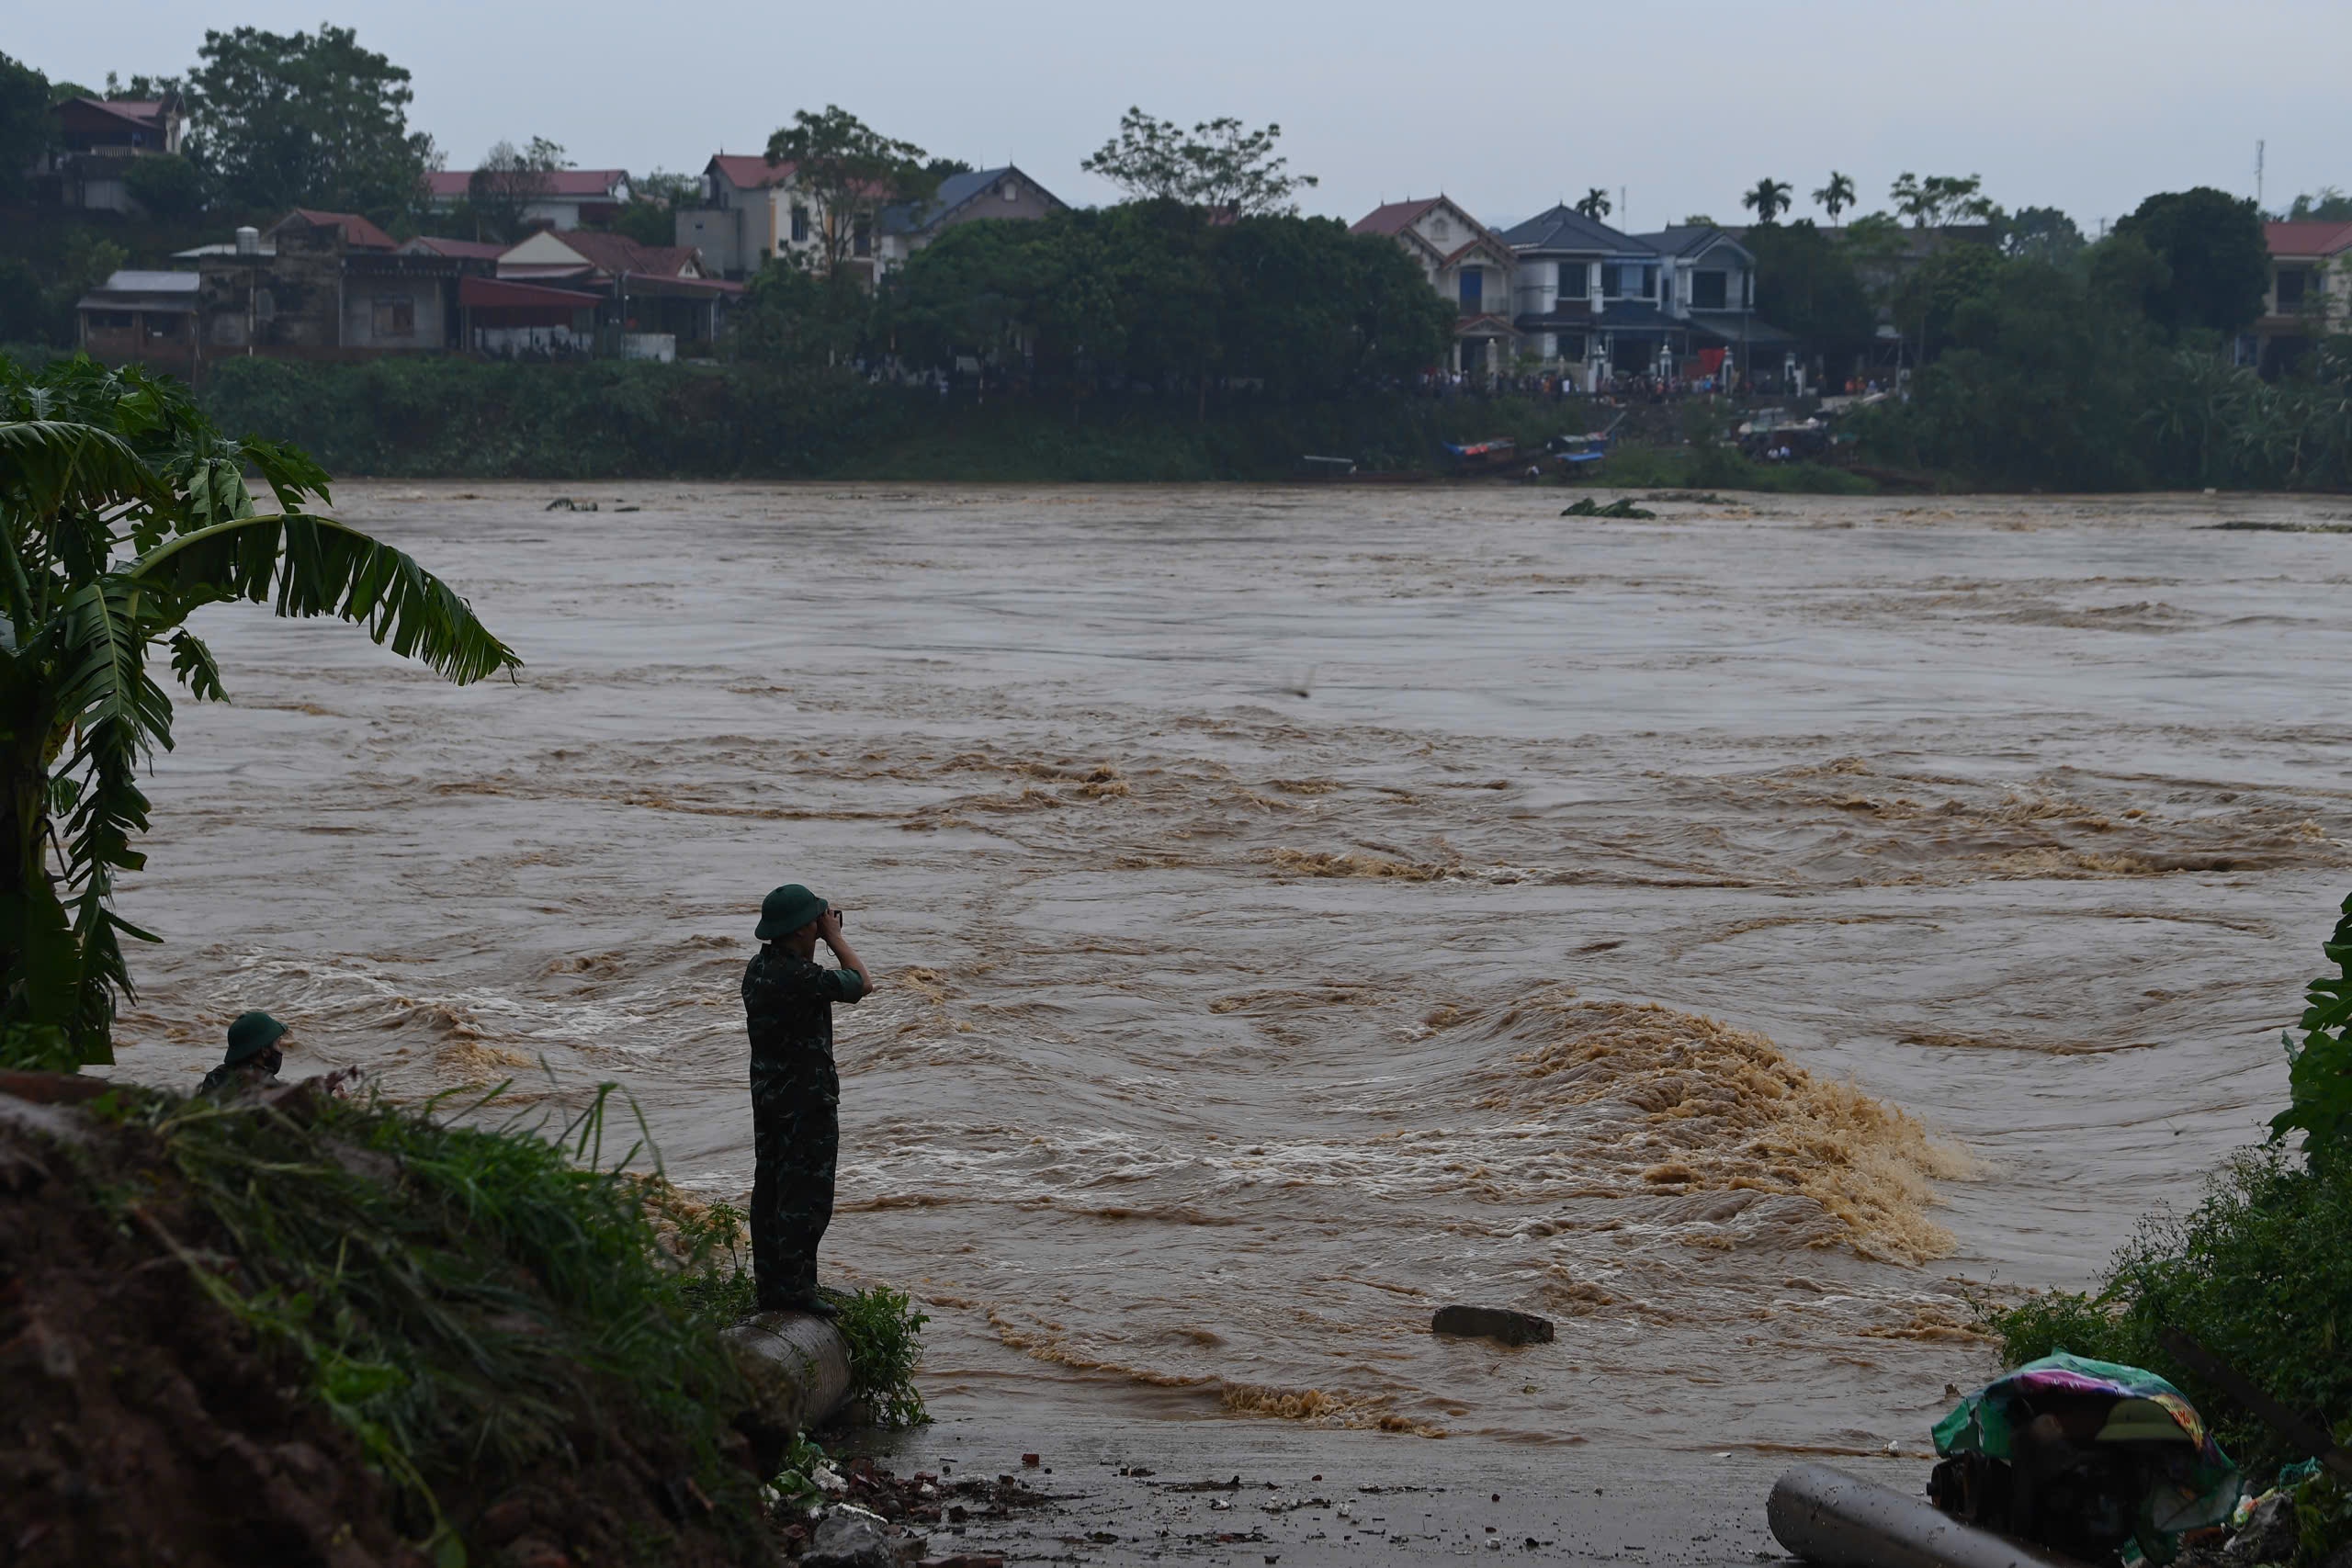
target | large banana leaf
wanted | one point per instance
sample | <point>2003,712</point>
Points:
<point>316,566</point>
<point>96,463</point>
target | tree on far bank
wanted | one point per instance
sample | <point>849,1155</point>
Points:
<point>1767,198</point>
<point>1837,195</point>
<point>305,120</point>
<point>509,180</point>
<point>24,123</point>
<point>2215,253</point>
<point>1219,165</point>
<point>650,216</point>
<point>123,512</point>
<point>2043,233</point>
<point>2326,205</point>
<point>1940,199</point>
<point>1594,204</point>
<point>853,171</point>
<point>1805,284</point>
<point>167,184</point>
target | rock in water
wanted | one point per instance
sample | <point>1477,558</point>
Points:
<point>850,1537</point>
<point>1501,1325</point>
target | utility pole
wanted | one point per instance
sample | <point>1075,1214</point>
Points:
<point>2257,174</point>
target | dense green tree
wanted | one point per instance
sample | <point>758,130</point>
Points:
<point>1219,165</point>
<point>24,313</point>
<point>24,124</point>
<point>305,120</point>
<point>123,513</point>
<point>1929,301</point>
<point>167,184</point>
<point>1767,198</point>
<point>2214,252</point>
<point>651,216</point>
<point>1940,199</point>
<point>509,179</point>
<point>1594,204</point>
<point>1154,294</point>
<point>854,171</point>
<point>2043,233</point>
<point>1806,283</point>
<point>791,315</point>
<point>2326,205</point>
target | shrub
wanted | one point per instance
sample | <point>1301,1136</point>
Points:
<point>2260,1272</point>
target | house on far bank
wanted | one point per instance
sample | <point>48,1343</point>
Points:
<point>1468,264</point>
<point>750,210</point>
<point>907,227</point>
<point>96,141</point>
<point>143,317</point>
<point>1590,299</point>
<point>2310,295</point>
<point>1709,288</point>
<point>565,198</point>
<point>657,295</point>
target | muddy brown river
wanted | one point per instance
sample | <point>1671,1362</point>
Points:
<point>1737,936</point>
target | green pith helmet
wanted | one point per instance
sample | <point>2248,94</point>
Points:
<point>249,1036</point>
<point>786,909</point>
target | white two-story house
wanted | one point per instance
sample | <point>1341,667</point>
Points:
<point>1465,261</point>
<point>1600,305</point>
<point>752,209</point>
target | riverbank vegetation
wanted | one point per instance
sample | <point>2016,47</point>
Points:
<point>297,1326</point>
<point>123,511</point>
<point>2259,1273</point>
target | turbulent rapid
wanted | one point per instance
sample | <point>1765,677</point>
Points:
<point>1737,936</point>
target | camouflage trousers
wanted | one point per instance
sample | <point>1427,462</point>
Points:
<point>795,1135</point>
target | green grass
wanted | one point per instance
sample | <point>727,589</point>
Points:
<point>885,1336</point>
<point>474,1302</point>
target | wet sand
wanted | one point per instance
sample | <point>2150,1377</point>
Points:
<point>1735,936</point>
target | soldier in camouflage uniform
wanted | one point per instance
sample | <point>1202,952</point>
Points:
<point>252,1057</point>
<point>796,1097</point>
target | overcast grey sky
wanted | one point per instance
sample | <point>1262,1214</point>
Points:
<point>2086,104</point>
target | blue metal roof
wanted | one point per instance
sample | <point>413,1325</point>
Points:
<point>1566,228</point>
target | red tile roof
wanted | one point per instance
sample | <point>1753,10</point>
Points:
<point>147,112</point>
<point>359,234</point>
<point>618,253</point>
<point>1393,218</point>
<point>2308,238</point>
<point>750,171</point>
<point>457,250</point>
<point>452,184</point>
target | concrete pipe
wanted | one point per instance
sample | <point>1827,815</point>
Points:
<point>1842,1522</point>
<point>796,1376</point>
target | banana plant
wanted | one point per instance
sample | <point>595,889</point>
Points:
<point>123,511</point>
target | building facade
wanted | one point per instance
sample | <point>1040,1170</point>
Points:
<point>1467,263</point>
<point>752,209</point>
<point>96,140</point>
<point>560,198</point>
<point>1003,192</point>
<point>2309,297</point>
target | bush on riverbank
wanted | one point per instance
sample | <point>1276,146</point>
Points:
<point>262,1322</point>
<point>464,419</point>
<point>2259,1273</point>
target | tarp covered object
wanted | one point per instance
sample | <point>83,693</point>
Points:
<point>2198,1482</point>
